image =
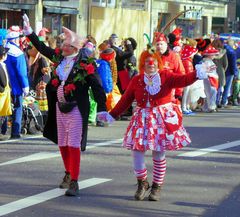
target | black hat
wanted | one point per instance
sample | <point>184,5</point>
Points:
<point>113,35</point>
<point>172,38</point>
<point>202,43</point>
<point>3,50</point>
<point>133,42</point>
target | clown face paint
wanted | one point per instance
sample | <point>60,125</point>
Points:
<point>150,65</point>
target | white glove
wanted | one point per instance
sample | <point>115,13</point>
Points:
<point>27,29</point>
<point>201,71</point>
<point>177,49</point>
<point>25,91</point>
<point>105,117</point>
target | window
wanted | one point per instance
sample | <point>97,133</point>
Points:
<point>104,3</point>
<point>135,4</point>
<point>101,3</point>
<point>163,18</point>
<point>111,3</point>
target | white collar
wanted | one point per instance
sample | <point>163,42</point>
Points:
<point>152,82</point>
<point>150,74</point>
<point>65,67</point>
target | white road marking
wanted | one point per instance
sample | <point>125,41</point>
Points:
<point>23,138</point>
<point>116,141</point>
<point>48,155</point>
<point>48,195</point>
<point>210,149</point>
<point>32,157</point>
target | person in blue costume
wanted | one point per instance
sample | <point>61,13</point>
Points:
<point>104,70</point>
<point>231,72</point>
<point>17,69</point>
<point>3,33</point>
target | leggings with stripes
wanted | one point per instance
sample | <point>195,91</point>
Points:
<point>159,166</point>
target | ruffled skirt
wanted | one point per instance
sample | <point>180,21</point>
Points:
<point>156,128</point>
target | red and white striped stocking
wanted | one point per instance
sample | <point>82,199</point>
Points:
<point>159,170</point>
<point>140,169</point>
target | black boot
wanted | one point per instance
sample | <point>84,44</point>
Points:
<point>155,192</point>
<point>66,181</point>
<point>73,189</point>
<point>143,186</point>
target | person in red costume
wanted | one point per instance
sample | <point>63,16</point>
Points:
<point>175,40</point>
<point>187,59</point>
<point>156,124</point>
<point>171,61</point>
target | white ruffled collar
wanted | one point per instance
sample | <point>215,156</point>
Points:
<point>65,67</point>
<point>152,82</point>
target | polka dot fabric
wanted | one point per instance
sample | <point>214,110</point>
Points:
<point>188,51</point>
<point>210,50</point>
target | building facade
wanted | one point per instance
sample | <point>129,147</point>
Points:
<point>126,18</point>
<point>198,20</point>
<point>52,14</point>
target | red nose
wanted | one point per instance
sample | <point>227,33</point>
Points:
<point>151,62</point>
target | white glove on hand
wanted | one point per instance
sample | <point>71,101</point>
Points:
<point>105,117</point>
<point>25,91</point>
<point>201,71</point>
<point>177,49</point>
<point>27,29</point>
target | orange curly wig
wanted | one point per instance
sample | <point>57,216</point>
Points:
<point>146,54</point>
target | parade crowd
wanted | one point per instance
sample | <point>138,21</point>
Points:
<point>76,82</point>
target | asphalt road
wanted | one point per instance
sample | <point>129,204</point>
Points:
<point>201,180</point>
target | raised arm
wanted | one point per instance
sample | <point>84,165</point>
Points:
<point>40,46</point>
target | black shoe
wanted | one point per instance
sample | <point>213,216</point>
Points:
<point>125,118</point>
<point>100,124</point>
<point>73,189</point>
<point>127,114</point>
<point>15,137</point>
<point>66,181</point>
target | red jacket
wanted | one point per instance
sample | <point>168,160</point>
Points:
<point>188,65</point>
<point>136,90</point>
<point>173,63</point>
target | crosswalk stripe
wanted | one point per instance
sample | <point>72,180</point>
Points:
<point>210,149</point>
<point>44,196</point>
<point>32,157</point>
<point>111,142</point>
<point>23,138</point>
<point>48,155</point>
